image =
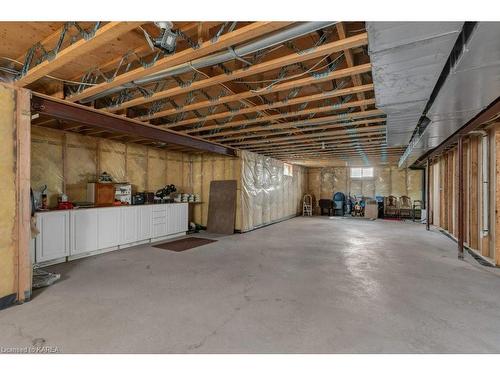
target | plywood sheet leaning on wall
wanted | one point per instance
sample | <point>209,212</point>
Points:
<point>47,162</point>
<point>222,206</point>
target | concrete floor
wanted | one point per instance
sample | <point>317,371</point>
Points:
<point>304,285</point>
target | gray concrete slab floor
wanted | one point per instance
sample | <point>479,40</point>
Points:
<point>306,285</point>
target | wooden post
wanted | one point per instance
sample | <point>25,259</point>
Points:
<point>460,205</point>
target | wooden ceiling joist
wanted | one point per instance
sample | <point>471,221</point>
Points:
<point>349,58</point>
<point>345,148</point>
<point>305,129</point>
<point>336,74</point>
<point>103,35</point>
<point>273,118</point>
<point>366,137</point>
<point>289,125</point>
<point>241,35</point>
<point>338,154</point>
<point>331,141</point>
<point>260,108</point>
<point>323,50</point>
<point>326,146</point>
<point>305,112</point>
<point>278,140</point>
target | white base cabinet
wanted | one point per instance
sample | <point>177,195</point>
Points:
<point>108,227</point>
<point>77,232</point>
<point>53,240</point>
<point>84,231</point>
<point>144,219</point>
<point>128,225</point>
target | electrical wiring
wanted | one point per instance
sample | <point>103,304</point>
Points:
<point>48,76</point>
<point>223,85</point>
<point>308,71</point>
<point>297,75</point>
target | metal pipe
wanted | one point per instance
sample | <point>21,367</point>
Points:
<point>277,38</point>
<point>460,206</point>
<point>486,181</point>
<point>428,196</point>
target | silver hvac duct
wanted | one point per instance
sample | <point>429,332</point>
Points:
<point>279,37</point>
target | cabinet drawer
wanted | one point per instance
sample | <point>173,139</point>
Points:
<point>161,208</point>
<point>160,220</point>
<point>158,214</point>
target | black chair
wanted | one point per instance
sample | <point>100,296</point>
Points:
<point>326,204</point>
<point>339,204</point>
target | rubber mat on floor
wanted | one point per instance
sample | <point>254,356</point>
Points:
<point>184,244</point>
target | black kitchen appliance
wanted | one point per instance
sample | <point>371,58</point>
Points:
<point>149,198</point>
<point>138,198</point>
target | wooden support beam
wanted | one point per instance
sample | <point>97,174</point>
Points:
<point>304,112</point>
<point>103,35</point>
<point>251,31</point>
<point>99,119</point>
<point>323,50</point>
<point>285,86</point>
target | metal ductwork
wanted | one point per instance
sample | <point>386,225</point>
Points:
<point>472,84</point>
<point>407,59</point>
<point>272,40</point>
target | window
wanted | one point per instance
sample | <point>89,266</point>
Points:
<point>362,172</point>
<point>287,169</point>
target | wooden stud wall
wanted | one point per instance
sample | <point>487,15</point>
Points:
<point>446,166</point>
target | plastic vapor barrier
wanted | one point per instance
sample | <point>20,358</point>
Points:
<point>267,194</point>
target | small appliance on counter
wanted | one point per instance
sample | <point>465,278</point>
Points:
<point>63,203</point>
<point>163,195</point>
<point>149,197</point>
<point>123,193</point>
<point>138,198</point>
<point>105,178</point>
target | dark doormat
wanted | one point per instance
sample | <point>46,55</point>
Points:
<point>184,244</point>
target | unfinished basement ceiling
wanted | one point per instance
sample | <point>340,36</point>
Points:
<point>292,90</point>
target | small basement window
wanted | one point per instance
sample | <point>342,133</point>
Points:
<point>362,172</point>
<point>287,169</point>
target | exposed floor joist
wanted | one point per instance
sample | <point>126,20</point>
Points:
<point>326,49</point>
<point>238,36</point>
<point>103,35</point>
